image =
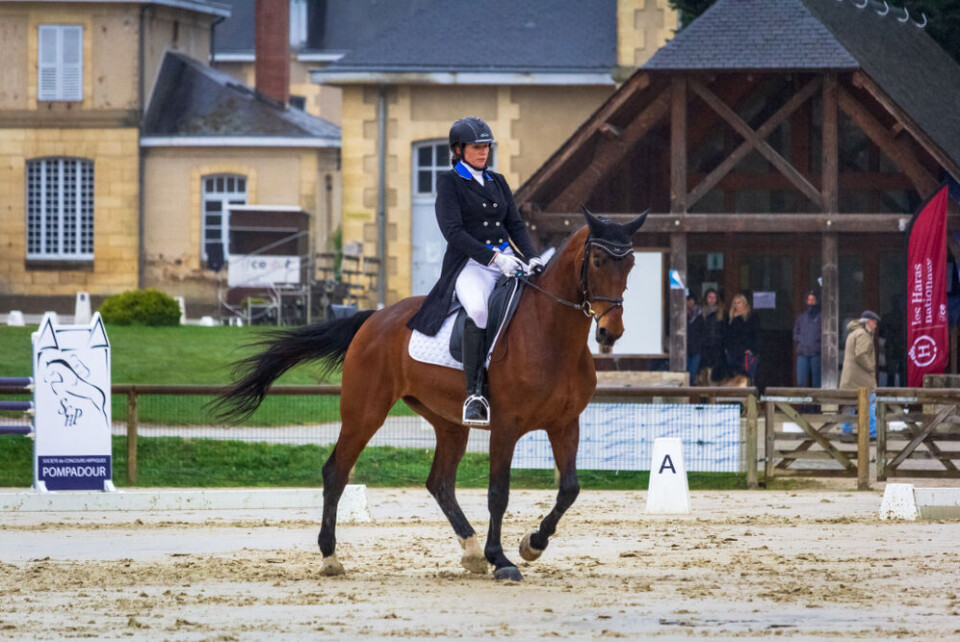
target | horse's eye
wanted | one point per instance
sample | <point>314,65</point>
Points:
<point>596,262</point>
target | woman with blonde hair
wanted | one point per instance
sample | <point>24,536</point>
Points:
<point>742,338</point>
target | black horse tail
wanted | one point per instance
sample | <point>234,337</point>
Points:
<point>284,349</point>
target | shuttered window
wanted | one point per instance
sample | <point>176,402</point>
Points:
<point>60,209</point>
<point>60,63</point>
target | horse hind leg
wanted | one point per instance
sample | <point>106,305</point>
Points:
<point>564,443</point>
<point>360,420</point>
<point>451,445</point>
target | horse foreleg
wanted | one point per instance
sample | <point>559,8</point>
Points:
<point>451,444</point>
<point>564,443</point>
<point>498,495</point>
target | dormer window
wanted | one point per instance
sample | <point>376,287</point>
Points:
<point>60,63</point>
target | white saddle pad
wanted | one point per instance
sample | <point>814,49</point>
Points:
<point>435,350</point>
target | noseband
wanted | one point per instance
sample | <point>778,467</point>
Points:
<point>615,250</point>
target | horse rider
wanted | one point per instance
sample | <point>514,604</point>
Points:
<point>484,233</point>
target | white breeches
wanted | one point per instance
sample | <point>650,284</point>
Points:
<point>474,285</point>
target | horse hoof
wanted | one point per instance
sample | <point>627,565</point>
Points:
<point>527,551</point>
<point>509,573</point>
<point>331,566</point>
<point>475,564</point>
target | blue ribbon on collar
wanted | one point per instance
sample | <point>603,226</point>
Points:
<point>462,170</point>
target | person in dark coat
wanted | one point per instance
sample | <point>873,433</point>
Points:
<point>712,354</point>
<point>742,338</point>
<point>694,337</point>
<point>806,332</point>
<point>486,238</point>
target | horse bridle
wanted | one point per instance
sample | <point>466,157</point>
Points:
<point>615,250</point>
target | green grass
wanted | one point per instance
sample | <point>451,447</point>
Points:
<point>178,355</point>
<point>189,355</point>
<point>176,462</point>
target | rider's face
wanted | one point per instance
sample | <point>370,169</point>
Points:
<point>476,154</point>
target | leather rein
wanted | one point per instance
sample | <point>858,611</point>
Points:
<point>615,250</point>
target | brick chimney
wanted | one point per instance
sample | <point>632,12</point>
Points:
<point>273,49</point>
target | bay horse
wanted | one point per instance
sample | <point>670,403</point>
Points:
<point>541,376</point>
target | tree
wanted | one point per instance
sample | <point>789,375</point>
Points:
<point>943,17</point>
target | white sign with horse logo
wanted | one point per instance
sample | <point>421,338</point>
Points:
<point>71,371</point>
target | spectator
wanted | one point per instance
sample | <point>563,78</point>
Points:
<point>806,333</point>
<point>694,337</point>
<point>742,338</point>
<point>860,362</point>
<point>711,351</point>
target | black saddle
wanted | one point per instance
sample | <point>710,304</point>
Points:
<point>500,308</point>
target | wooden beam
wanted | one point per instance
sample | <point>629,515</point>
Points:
<point>566,222</point>
<point>678,305</point>
<point>830,312</point>
<point>678,146</point>
<point>830,147</point>
<point>609,152</point>
<point>898,150</point>
<point>761,145</point>
<point>777,181</point>
<point>725,167</point>
<point>598,122</point>
<point>862,80</point>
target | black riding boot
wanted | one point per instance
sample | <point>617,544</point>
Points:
<point>476,409</point>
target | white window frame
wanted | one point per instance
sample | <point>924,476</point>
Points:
<point>435,166</point>
<point>60,209</point>
<point>60,63</point>
<point>223,189</point>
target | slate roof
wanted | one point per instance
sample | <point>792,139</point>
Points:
<point>345,24</point>
<point>828,34</point>
<point>192,99</point>
<point>904,61</point>
<point>754,34</point>
<point>572,36</point>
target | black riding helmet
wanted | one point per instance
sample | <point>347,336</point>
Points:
<point>470,130</point>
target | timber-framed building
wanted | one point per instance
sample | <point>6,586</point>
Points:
<point>781,146</point>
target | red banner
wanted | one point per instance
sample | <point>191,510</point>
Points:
<point>927,332</point>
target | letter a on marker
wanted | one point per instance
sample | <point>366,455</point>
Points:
<point>667,463</point>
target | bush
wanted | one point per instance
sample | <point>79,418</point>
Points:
<point>141,307</point>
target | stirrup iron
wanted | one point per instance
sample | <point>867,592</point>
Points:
<point>486,408</point>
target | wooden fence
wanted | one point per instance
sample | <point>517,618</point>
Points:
<point>831,433</point>
<point>746,397</point>
<point>807,432</point>
<point>826,423</point>
<point>915,417</point>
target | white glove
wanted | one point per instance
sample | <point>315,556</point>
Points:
<point>509,265</point>
<point>535,266</point>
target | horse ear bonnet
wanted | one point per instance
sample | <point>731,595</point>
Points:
<point>614,238</point>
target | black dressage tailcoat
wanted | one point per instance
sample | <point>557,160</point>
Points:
<point>471,216</point>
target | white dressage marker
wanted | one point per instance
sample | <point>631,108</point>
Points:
<point>899,502</point>
<point>669,492</point>
<point>903,501</point>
